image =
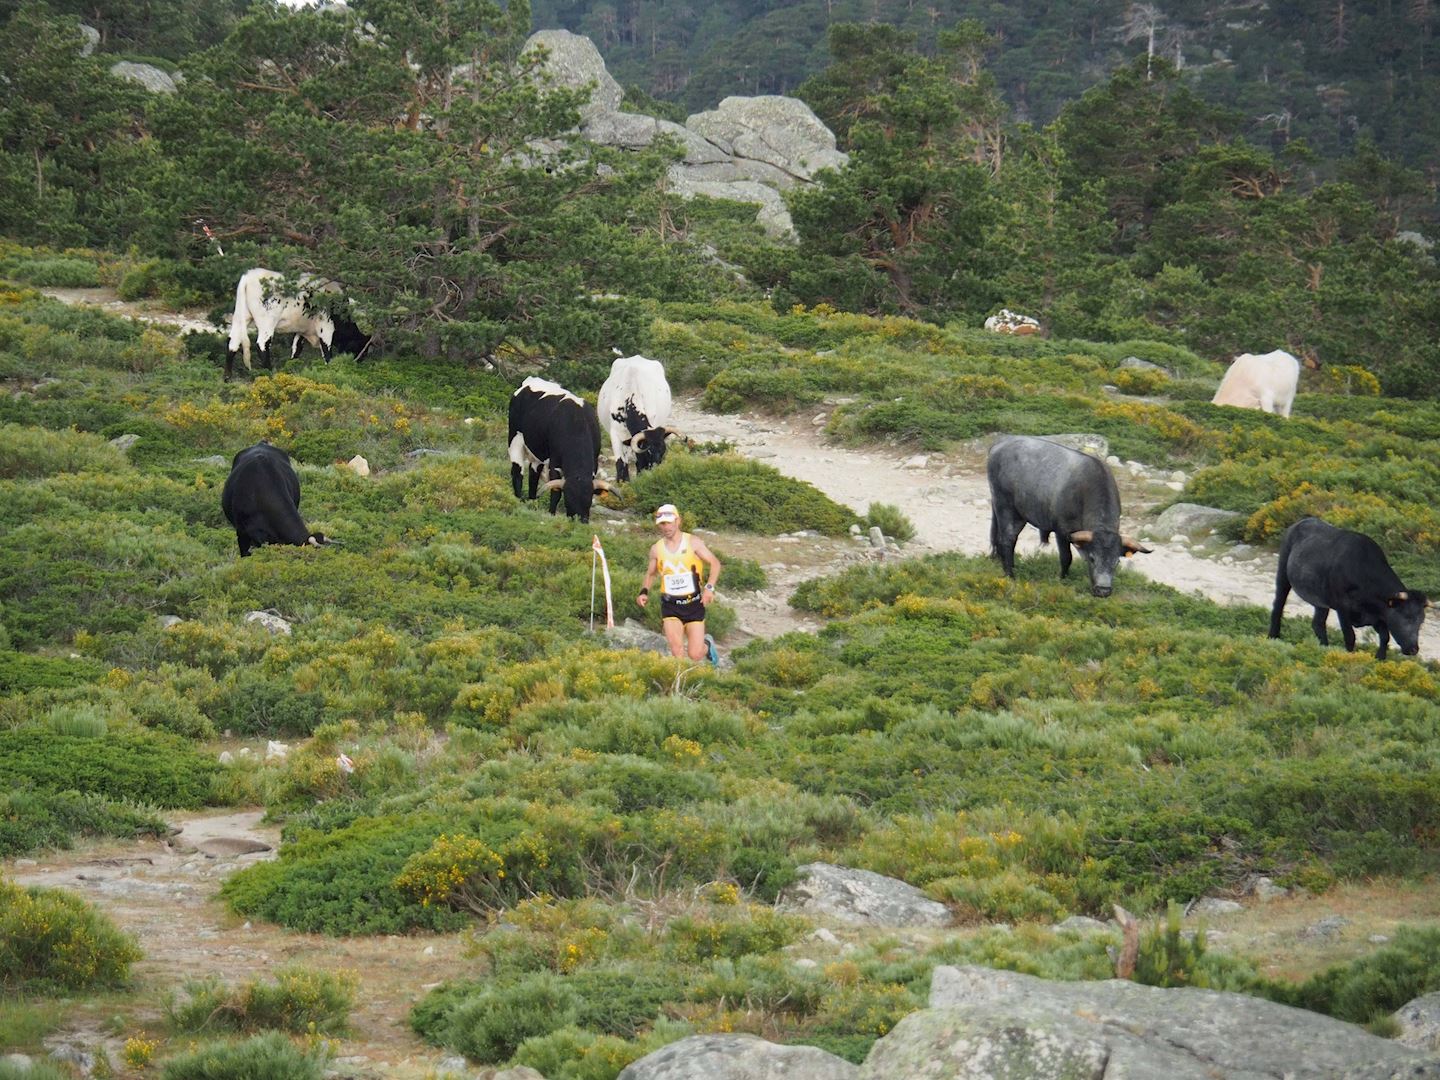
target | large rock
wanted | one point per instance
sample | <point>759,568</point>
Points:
<point>574,62</point>
<point>1420,1023</point>
<point>1192,519</point>
<point>634,131</point>
<point>633,635</point>
<point>738,1057</point>
<point>147,75</point>
<point>773,216</point>
<point>862,898</point>
<point>778,131</point>
<point>992,1024</point>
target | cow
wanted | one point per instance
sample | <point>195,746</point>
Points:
<point>261,498</point>
<point>1265,381</point>
<point>1056,489</point>
<point>1336,568</point>
<point>1008,322</point>
<point>257,301</point>
<point>635,401</point>
<point>549,426</point>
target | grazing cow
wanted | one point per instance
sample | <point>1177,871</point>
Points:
<point>551,426</point>
<point>1266,381</point>
<point>257,301</point>
<point>1008,322</point>
<point>635,402</point>
<point>1056,489</point>
<point>1336,568</point>
<point>261,499</point>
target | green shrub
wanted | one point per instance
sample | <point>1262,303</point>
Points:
<point>263,1057</point>
<point>51,940</point>
<point>81,719</point>
<point>573,1053</point>
<point>21,672</point>
<point>731,492</point>
<point>30,452</point>
<point>36,1070</point>
<point>890,520</point>
<point>749,929</point>
<point>343,882</point>
<point>251,703</point>
<point>31,820</point>
<point>58,272</point>
<point>489,1025</point>
<point>138,765</point>
<point>297,1000</point>
<point>139,281</point>
<point>1407,967</point>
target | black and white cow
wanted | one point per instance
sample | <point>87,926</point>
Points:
<point>549,426</point>
<point>261,498</point>
<point>1060,490</point>
<point>257,300</point>
<point>635,401</point>
<point>1336,568</point>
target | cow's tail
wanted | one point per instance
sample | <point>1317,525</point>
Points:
<point>240,323</point>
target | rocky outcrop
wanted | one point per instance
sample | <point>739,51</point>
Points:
<point>1420,1023</point>
<point>738,1057</point>
<point>861,898</point>
<point>986,1023</point>
<point>748,149</point>
<point>1192,519</point>
<point>147,75</point>
<point>574,62</point>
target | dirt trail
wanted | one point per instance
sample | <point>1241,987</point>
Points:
<point>164,892</point>
<point>947,499</point>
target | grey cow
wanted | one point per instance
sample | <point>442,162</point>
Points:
<point>1061,491</point>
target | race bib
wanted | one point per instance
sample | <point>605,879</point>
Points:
<point>679,584</point>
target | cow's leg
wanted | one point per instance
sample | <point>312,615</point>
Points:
<point>325,351</point>
<point>1067,553</point>
<point>622,470</point>
<point>1347,631</point>
<point>1282,592</point>
<point>1383,632</point>
<point>555,493</point>
<point>515,478</point>
<point>244,542</point>
<point>265,360</point>
<point>534,474</point>
<point>1005,532</point>
<point>1317,623</point>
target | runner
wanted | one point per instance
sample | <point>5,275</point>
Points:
<point>679,559</point>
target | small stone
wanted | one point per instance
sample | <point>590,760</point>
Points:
<point>270,621</point>
<point>877,537</point>
<point>1113,461</point>
<point>1178,476</point>
<point>1265,890</point>
<point>917,461</point>
<point>358,465</point>
<point>1328,927</point>
<point>124,442</point>
<point>276,751</point>
<point>167,621</point>
<point>1213,905</point>
<point>1175,485</point>
<point>1179,538</point>
<point>1081,924</point>
<point>1378,939</point>
<point>823,935</point>
<point>854,530</point>
<point>819,419</point>
<point>226,758</point>
<point>806,964</point>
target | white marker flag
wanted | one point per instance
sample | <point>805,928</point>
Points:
<point>599,556</point>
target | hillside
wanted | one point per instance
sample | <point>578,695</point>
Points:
<point>593,841</point>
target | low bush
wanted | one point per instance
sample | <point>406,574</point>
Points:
<point>136,765</point>
<point>297,1000</point>
<point>731,492</point>
<point>272,1056</point>
<point>22,672</point>
<point>890,520</point>
<point>32,820</point>
<point>1373,986</point>
<point>53,941</point>
<point>489,1025</point>
<point>56,272</point>
<point>30,452</point>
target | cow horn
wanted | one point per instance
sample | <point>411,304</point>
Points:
<point>1132,545</point>
<point>555,485</point>
<point>1401,597</point>
<point>639,442</point>
<point>673,433</point>
<point>601,485</point>
<point>1084,536</point>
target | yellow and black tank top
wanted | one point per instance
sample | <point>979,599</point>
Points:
<point>679,570</point>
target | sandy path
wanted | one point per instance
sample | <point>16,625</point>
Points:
<point>948,501</point>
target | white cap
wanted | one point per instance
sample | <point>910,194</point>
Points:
<point>667,513</point>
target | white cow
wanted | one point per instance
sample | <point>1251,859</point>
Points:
<point>1265,381</point>
<point>277,314</point>
<point>635,404</point>
<point>1009,322</point>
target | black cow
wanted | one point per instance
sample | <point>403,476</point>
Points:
<point>1056,489</point>
<point>261,499</point>
<point>551,426</point>
<point>1336,568</point>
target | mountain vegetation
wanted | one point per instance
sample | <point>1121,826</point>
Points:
<point>607,831</point>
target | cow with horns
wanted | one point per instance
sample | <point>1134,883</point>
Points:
<point>635,401</point>
<point>258,300</point>
<point>552,428</point>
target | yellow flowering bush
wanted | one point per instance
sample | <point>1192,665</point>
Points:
<point>458,870</point>
<point>51,939</point>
